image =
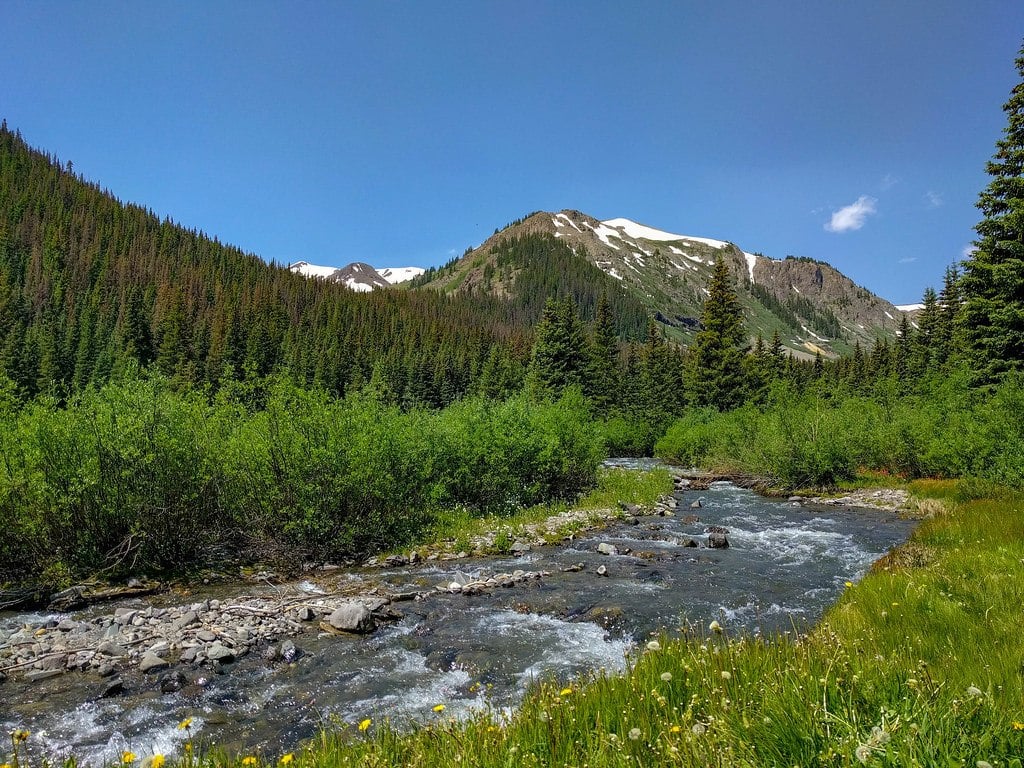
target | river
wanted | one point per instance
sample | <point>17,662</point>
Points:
<point>786,564</point>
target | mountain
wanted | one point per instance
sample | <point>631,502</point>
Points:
<point>813,306</point>
<point>358,276</point>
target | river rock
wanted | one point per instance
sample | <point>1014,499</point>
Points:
<point>688,542</point>
<point>36,675</point>
<point>187,619</point>
<point>716,529</point>
<point>172,682</point>
<point>111,648</point>
<point>112,688</point>
<point>395,561</point>
<point>289,651</point>
<point>305,613</point>
<point>206,635</point>
<point>520,548</point>
<point>696,504</point>
<point>352,617</point>
<point>718,541</point>
<point>220,653</point>
<point>574,568</point>
<point>602,571</point>
<point>152,663</point>
<point>605,548</point>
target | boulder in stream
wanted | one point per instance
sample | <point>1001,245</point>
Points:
<point>605,548</point>
<point>718,541</point>
<point>350,617</point>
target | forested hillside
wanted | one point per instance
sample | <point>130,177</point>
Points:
<point>89,286</point>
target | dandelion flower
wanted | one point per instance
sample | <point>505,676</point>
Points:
<point>675,729</point>
<point>634,734</point>
<point>157,761</point>
<point>20,736</point>
<point>863,753</point>
<point>439,707</point>
<point>654,645</point>
<point>363,725</point>
<point>699,729</point>
<point>849,584</point>
<point>286,759</point>
<point>1018,726</point>
<point>186,723</point>
<point>565,692</point>
<point>715,627</point>
<point>249,760</point>
<point>5,765</point>
<point>666,677</point>
<point>726,674</point>
<point>128,758</point>
<point>975,692</point>
<point>983,764</point>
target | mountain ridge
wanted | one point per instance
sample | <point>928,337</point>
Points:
<point>813,306</point>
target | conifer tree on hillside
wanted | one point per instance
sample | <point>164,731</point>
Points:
<point>715,374</point>
<point>991,321</point>
<point>559,358</point>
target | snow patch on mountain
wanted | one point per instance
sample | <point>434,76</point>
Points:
<point>909,307</point>
<point>312,270</point>
<point>751,261</point>
<point>395,275</point>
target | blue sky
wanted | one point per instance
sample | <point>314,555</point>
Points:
<point>401,133</point>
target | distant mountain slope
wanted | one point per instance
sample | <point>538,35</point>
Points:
<point>812,305</point>
<point>358,276</point>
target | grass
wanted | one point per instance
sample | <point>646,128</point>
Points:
<point>920,664</point>
<point>458,530</point>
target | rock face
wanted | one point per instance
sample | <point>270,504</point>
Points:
<point>352,617</point>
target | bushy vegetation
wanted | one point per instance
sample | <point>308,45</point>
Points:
<point>136,476</point>
<point>816,438</point>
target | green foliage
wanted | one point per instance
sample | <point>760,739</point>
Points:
<point>715,369</point>
<point>810,439</point>
<point>991,321</point>
<point>138,477</point>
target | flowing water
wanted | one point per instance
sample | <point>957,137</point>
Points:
<point>786,564</point>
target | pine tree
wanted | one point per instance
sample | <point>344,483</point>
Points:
<point>991,323</point>
<point>603,368</point>
<point>949,306</point>
<point>715,369</point>
<point>925,340</point>
<point>559,356</point>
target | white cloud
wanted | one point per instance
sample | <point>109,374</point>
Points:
<point>852,216</point>
<point>934,199</point>
<point>967,251</point>
<point>889,181</point>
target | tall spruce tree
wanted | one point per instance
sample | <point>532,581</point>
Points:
<point>715,374</point>
<point>559,358</point>
<point>991,322</point>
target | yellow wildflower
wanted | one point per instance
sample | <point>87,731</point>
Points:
<point>675,729</point>
<point>849,584</point>
<point>364,724</point>
<point>286,759</point>
<point>1018,726</point>
<point>20,736</point>
<point>249,760</point>
<point>565,692</point>
<point>157,761</point>
<point>439,707</point>
<point>186,723</point>
<point>128,758</point>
